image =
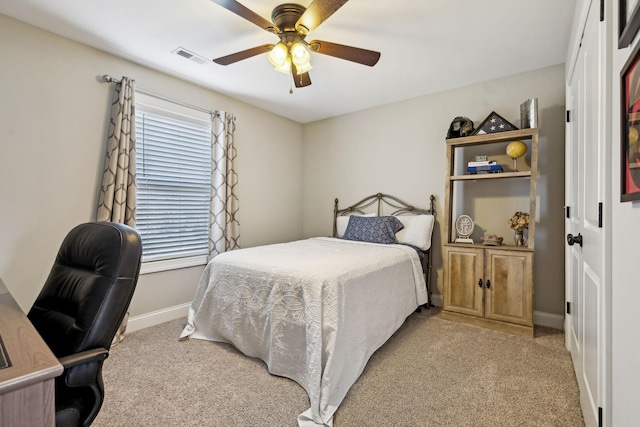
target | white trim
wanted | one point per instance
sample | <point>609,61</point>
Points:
<point>436,300</point>
<point>172,264</point>
<point>550,320</point>
<point>157,317</point>
<point>575,38</point>
<point>153,318</point>
<point>160,100</point>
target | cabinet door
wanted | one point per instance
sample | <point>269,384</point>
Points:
<point>465,267</point>
<point>509,290</point>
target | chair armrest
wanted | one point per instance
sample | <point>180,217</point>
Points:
<point>93,355</point>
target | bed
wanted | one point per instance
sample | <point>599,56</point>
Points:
<point>315,310</point>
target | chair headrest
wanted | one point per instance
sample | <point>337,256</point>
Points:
<point>103,247</point>
<point>89,288</point>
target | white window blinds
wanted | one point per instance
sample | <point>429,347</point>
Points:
<point>173,174</point>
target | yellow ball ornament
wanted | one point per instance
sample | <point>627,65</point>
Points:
<point>515,150</point>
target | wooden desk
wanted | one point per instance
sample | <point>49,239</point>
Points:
<point>27,392</point>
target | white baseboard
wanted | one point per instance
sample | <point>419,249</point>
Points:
<point>171,313</point>
<point>156,317</point>
<point>540,318</point>
<point>550,320</point>
<point>436,299</point>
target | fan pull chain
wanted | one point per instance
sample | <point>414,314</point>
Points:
<point>290,88</point>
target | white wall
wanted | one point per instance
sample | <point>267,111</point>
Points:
<point>625,282</point>
<point>53,129</point>
<point>399,149</point>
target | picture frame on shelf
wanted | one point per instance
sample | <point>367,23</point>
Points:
<point>529,114</point>
<point>630,128</point>
<point>494,123</point>
<point>628,21</point>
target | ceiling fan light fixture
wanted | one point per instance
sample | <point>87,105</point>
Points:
<point>285,67</point>
<point>301,57</point>
<point>278,55</point>
<point>300,53</point>
<point>291,23</point>
<point>304,68</point>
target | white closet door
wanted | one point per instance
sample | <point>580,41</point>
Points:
<point>585,191</point>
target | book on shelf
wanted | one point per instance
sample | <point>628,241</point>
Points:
<point>484,169</point>
<point>483,163</point>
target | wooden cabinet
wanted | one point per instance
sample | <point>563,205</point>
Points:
<point>489,286</point>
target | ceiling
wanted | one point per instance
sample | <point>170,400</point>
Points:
<point>426,46</point>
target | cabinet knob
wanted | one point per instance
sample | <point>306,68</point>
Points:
<point>480,283</point>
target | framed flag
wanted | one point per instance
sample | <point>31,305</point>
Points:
<point>494,123</point>
<point>628,21</point>
<point>630,128</point>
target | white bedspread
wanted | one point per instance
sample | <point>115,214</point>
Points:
<point>314,310</point>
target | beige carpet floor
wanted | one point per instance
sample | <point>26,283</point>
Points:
<point>432,372</point>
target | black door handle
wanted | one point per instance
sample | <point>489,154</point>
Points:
<point>571,239</point>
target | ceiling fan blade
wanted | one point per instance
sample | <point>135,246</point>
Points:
<point>244,54</point>
<point>300,80</point>
<point>317,12</point>
<point>350,53</point>
<point>246,13</point>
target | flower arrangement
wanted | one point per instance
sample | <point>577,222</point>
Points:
<point>519,221</point>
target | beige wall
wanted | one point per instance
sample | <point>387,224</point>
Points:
<point>53,127</point>
<point>400,149</point>
<point>53,115</point>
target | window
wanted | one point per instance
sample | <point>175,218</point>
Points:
<point>173,174</point>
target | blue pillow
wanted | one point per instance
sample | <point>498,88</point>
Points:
<point>377,229</point>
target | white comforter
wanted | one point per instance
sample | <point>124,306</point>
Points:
<point>314,310</point>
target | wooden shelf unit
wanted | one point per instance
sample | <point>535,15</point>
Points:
<point>490,286</point>
<point>503,175</point>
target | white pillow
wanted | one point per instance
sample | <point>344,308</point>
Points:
<point>343,221</point>
<point>417,230</point>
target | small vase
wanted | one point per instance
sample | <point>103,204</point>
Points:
<point>519,239</point>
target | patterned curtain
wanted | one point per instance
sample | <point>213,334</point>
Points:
<point>118,195</point>
<point>224,228</point>
<point>117,201</point>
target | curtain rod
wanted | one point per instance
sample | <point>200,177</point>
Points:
<point>108,79</point>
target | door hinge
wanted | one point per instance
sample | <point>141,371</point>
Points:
<point>599,416</point>
<point>601,10</point>
<point>568,116</point>
<point>567,211</point>
<point>600,215</point>
<point>568,307</point>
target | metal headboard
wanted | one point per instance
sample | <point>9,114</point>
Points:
<point>382,199</point>
<point>401,208</point>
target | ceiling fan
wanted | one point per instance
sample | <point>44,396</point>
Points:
<point>291,23</point>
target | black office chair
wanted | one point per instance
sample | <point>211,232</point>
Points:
<point>80,309</point>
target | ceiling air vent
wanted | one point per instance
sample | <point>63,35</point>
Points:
<point>191,56</point>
